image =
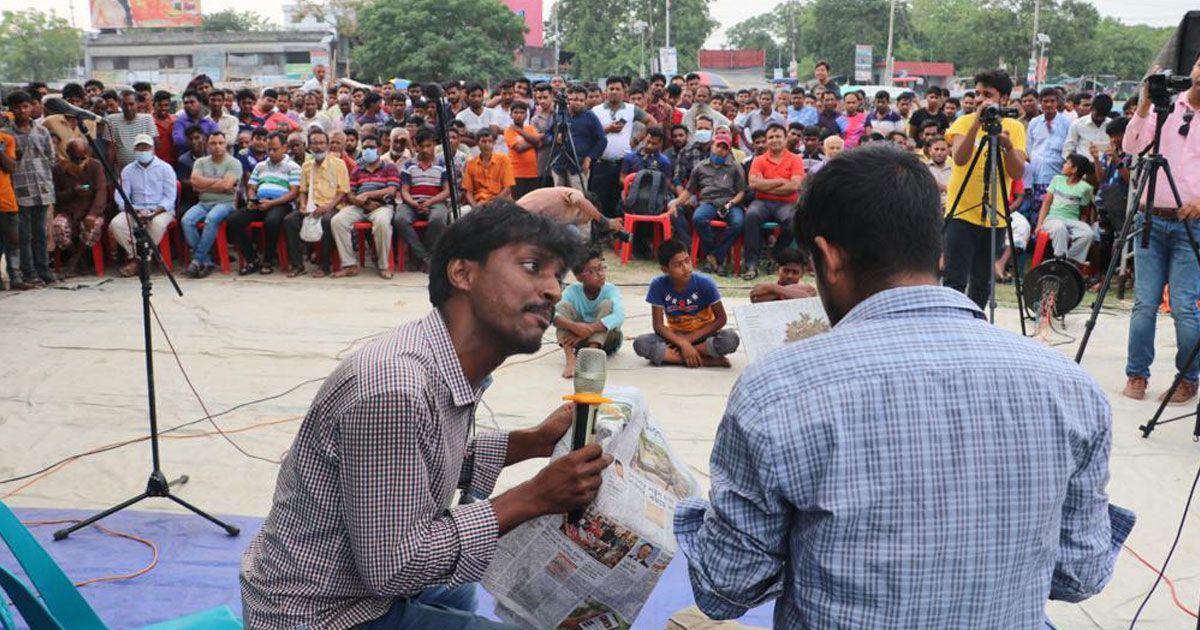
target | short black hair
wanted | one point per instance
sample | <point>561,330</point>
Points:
<point>1102,104</point>
<point>821,63</point>
<point>656,132</point>
<point>1048,93</point>
<point>73,90</point>
<point>243,94</point>
<point>473,86</point>
<point>371,137</point>
<point>425,133</point>
<point>192,93</point>
<point>371,99</point>
<point>759,133</point>
<point>934,90</point>
<point>775,125</point>
<point>162,95</point>
<point>1116,126</point>
<point>522,105</point>
<point>879,204</point>
<point>577,89</point>
<point>954,101</point>
<point>791,256</point>
<point>883,94</point>
<point>260,132</point>
<point>670,248</point>
<point>998,79</point>
<point>616,79</point>
<point>811,130</point>
<point>498,223</point>
<point>18,97</point>
<point>270,93</point>
<point>93,83</point>
<point>582,261</point>
<point>191,129</point>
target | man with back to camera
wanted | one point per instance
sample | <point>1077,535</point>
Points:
<point>863,481</point>
<point>968,264</point>
<point>362,532</point>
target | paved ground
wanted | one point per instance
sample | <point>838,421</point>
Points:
<point>72,381</point>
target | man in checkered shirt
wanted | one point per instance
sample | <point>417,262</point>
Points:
<point>915,467</point>
<point>362,533</point>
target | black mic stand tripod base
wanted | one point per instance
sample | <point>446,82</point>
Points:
<point>157,485</point>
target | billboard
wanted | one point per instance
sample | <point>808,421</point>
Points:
<point>862,63</point>
<point>144,13</point>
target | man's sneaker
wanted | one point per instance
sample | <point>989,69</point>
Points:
<point>1135,388</point>
<point>193,270</point>
<point>206,270</point>
<point>1184,393</point>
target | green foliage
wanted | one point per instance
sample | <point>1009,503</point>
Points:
<point>611,36</point>
<point>438,40</point>
<point>234,20</point>
<point>36,46</point>
<point>971,34</point>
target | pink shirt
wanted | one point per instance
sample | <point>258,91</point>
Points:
<point>855,127</point>
<point>1182,153</point>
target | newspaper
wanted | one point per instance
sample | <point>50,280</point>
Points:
<point>548,573</point>
<point>766,326</point>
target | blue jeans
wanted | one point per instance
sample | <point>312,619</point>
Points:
<point>714,243</point>
<point>212,214</point>
<point>1169,259</point>
<point>761,211</point>
<point>438,607</point>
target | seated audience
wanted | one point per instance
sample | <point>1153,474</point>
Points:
<point>81,197</point>
<point>791,264</point>
<point>373,187</point>
<point>324,184</point>
<point>271,193</point>
<point>1066,196</point>
<point>151,186</point>
<point>688,316</point>
<point>424,189</point>
<point>590,313</point>
<point>215,178</point>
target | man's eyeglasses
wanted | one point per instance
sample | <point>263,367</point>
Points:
<point>1187,124</point>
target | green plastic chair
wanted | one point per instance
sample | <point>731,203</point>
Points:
<point>61,606</point>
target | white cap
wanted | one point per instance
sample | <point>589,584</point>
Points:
<point>143,138</point>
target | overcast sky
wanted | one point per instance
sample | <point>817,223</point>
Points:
<point>726,12</point>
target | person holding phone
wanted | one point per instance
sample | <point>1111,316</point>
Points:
<point>615,115</point>
<point>82,193</point>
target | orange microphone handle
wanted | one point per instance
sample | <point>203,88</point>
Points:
<point>587,398</point>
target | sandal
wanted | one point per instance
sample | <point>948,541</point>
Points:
<point>386,274</point>
<point>318,273</point>
<point>251,268</point>
<point>345,272</point>
<point>267,269</point>
<point>750,274</point>
<point>293,272</point>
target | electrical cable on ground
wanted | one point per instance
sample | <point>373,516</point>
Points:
<point>1161,573</point>
<point>117,534</point>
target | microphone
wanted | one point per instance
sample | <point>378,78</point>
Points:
<point>591,371</point>
<point>57,105</point>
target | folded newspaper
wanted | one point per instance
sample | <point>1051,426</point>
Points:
<point>548,573</point>
<point>766,326</point>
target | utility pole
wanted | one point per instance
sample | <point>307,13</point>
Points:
<point>792,34</point>
<point>557,36</point>
<point>889,65</point>
<point>1034,62</point>
<point>668,29</point>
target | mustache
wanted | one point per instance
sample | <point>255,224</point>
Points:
<point>545,309</point>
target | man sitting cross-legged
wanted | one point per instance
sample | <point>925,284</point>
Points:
<point>689,319</point>
<point>372,186</point>
<point>590,313</point>
<point>792,264</point>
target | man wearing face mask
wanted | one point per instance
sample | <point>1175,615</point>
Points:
<point>718,184</point>
<point>81,193</point>
<point>373,185</point>
<point>957,504</point>
<point>150,184</point>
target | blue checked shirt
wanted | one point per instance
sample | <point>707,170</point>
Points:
<point>915,467</point>
<point>1045,144</point>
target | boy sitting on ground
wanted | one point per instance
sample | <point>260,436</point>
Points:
<point>590,313</point>
<point>792,265</point>
<point>689,319</point>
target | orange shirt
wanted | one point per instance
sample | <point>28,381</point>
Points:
<point>789,165</point>
<point>486,182</point>
<point>8,196</point>
<point>524,163</point>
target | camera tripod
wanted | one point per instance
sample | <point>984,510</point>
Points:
<point>562,146</point>
<point>993,183</point>
<point>157,485</point>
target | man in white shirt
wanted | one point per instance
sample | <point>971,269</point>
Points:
<point>315,83</point>
<point>475,116</point>
<point>617,118</point>
<point>1091,130</point>
<point>151,186</point>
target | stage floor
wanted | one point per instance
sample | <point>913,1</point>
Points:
<point>73,381</point>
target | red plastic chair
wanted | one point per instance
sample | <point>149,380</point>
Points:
<point>735,252</point>
<point>361,228</point>
<point>401,248</point>
<point>280,245</point>
<point>662,221</point>
<point>222,247</point>
<point>97,258</point>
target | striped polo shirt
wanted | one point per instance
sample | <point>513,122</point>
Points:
<point>424,183</point>
<point>385,175</point>
<point>273,180</point>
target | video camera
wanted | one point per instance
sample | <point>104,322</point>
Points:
<point>990,116</point>
<point>1163,85</point>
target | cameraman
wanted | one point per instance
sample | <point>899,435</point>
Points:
<point>968,261</point>
<point>1169,258</point>
<point>586,135</point>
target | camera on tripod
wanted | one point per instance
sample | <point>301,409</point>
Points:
<point>1163,85</point>
<point>991,114</point>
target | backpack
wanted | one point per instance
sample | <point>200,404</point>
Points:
<point>648,193</point>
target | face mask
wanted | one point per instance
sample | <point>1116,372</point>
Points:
<point>704,136</point>
<point>716,159</point>
<point>145,157</point>
<point>370,155</point>
<point>319,155</point>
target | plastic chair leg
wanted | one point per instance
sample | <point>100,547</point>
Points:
<point>98,257</point>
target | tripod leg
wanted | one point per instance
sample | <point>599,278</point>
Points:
<point>1148,428</point>
<point>63,533</point>
<point>229,529</point>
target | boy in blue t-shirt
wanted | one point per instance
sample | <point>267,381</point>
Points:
<point>590,313</point>
<point>689,319</point>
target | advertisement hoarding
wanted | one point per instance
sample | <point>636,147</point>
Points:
<point>111,14</point>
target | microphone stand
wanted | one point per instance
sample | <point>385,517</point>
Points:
<point>157,485</point>
<point>434,93</point>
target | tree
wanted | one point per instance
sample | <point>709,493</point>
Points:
<point>610,36</point>
<point>234,20</point>
<point>439,40</point>
<point>36,46</point>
